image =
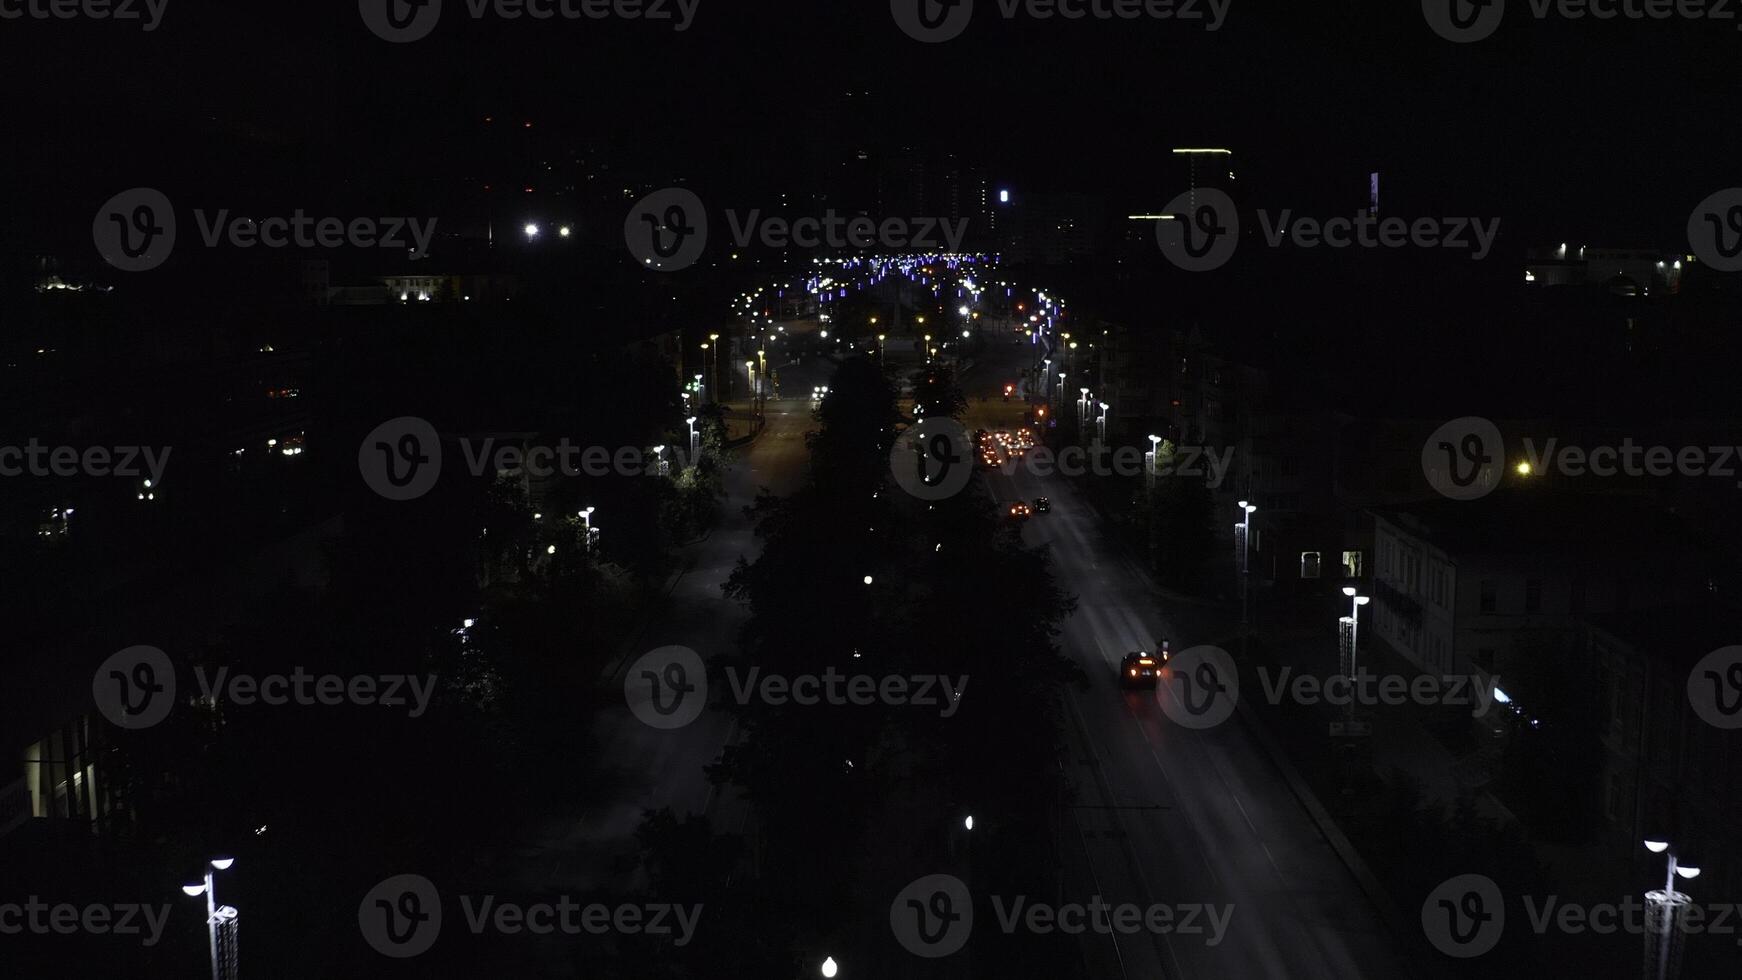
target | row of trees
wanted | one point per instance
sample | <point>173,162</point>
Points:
<point>853,801</point>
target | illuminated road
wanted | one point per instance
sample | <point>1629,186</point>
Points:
<point>1166,814</point>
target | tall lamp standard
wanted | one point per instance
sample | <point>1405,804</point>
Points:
<point>1245,532</point>
<point>695,447</point>
<point>1666,912</point>
<point>1154,457</point>
<point>750,372</point>
<point>714,375</point>
<point>1101,424</point>
<point>1356,601</point>
<point>1347,633</point>
<point>217,917</point>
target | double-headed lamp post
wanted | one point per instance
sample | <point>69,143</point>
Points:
<point>1154,456</point>
<point>1665,912</point>
<point>215,914</point>
<point>695,449</point>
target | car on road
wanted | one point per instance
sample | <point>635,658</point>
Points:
<point>1139,668</point>
<point>1020,511</point>
<point>1043,505</point>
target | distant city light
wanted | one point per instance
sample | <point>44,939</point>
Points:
<point>531,231</point>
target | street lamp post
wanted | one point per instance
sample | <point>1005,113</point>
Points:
<point>1666,913</point>
<point>1154,457</point>
<point>217,916</point>
<point>714,374</point>
<point>1101,424</point>
<point>695,447</point>
<point>1245,531</point>
<point>1347,655</point>
<point>592,534</point>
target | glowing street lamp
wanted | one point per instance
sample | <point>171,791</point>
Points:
<point>1154,455</point>
<point>1245,528</point>
<point>216,916</point>
<point>1667,910</point>
<point>830,969</point>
